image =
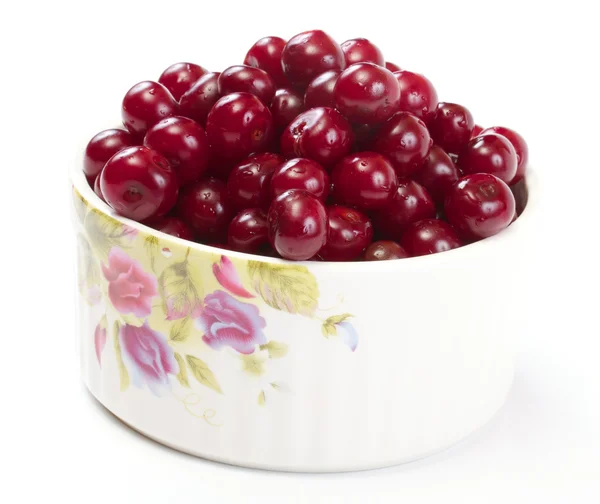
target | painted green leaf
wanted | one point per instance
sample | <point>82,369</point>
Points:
<point>336,319</point>
<point>280,387</point>
<point>151,244</point>
<point>182,376</point>
<point>180,289</point>
<point>276,349</point>
<point>88,272</point>
<point>254,364</point>
<point>181,329</point>
<point>261,398</point>
<point>328,329</point>
<point>104,232</point>
<point>123,374</point>
<point>202,373</point>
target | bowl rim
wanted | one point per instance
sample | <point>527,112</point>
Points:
<point>475,250</point>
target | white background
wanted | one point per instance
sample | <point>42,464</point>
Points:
<point>532,66</point>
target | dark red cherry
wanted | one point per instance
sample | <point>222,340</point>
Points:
<point>417,94</point>
<point>197,102</point>
<point>450,126</point>
<point>410,203</point>
<point>183,142</point>
<point>349,233</point>
<point>405,140</point>
<point>365,180</point>
<point>297,223</point>
<point>392,67</point>
<point>519,144</point>
<point>437,174</point>
<point>361,50</point>
<point>300,173</point>
<point>489,153</point>
<point>98,189</point>
<point>139,183</point>
<point>429,236</point>
<point>367,93</point>
<point>249,181</point>
<point>319,92</point>
<point>172,226</point>
<point>247,79</point>
<point>102,147</point>
<point>321,134</point>
<point>266,55</point>
<point>285,106</point>
<point>309,54</point>
<point>180,77</point>
<point>384,250</point>
<point>479,205</point>
<point>248,231</point>
<point>477,130</point>
<point>145,104</point>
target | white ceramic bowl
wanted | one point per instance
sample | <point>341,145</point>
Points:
<point>352,365</point>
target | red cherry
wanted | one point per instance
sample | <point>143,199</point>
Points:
<point>360,50</point>
<point>349,233</point>
<point>266,55</point>
<point>519,144</point>
<point>451,126</point>
<point>145,104</point>
<point>309,54</point>
<point>437,174</point>
<point>405,140</point>
<point>489,153</point>
<point>384,250</point>
<point>180,77</point>
<point>429,236</point>
<point>365,180</point>
<point>98,189</point>
<point>183,142</point>
<point>477,130</point>
<point>172,226</point>
<point>285,106</point>
<point>479,205</point>
<point>300,173</point>
<point>247,79</point>
<point>102,147</point>
<point>238,125</point>
<point>205,207</point>
<point>248,231</point>
<point>139,183</point>
<point>249,181</point>
<point>367,93</point>
<point>392,67</point>
<point>319,92</point>
<point>297,223</point>
<point>410,203</point>
<point>321,134</point>
<point>200,98</point>
<point>417,94</point>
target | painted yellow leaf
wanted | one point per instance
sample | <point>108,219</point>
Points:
<point>104,232</point>
<point>328,329</point>
<point>254,364</point>
<point>280,387</point>
<point>152,248</point>
<point>182,376</point>
<point>132,320</point>
<point>290,288</point>
<point>181,329</point>
<point>180,290</point>
<point>336,319</point>
<point>88,272</point>
<point>261,398</point>
<point>123,374</point>
<point>80,204</point>
<point>202,373</point>
<point>276,349</point>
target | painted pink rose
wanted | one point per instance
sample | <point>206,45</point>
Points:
<point>100,339</point>
<point>227,276</point>
<point>147,356</point>
<point>130,288</point>
<point>226,321</point>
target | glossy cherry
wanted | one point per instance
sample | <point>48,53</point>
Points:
<point>98,189</point>
<point>520,146</point>
<point>297,223</point>
<point>102,147</point>
<point>206,208</point>
<point>249,181</point>
<point>247,79</point>
<point>489,153</point>
<point>300,173</point>
<point>266,55</point>
<point>437,174</point>
<point>319,92</point>
<point>200,98</point>
<point>180,77</point>
<point>139,183</point>
<point>248,231</point>
<point>321,134</point>
<point>183,142</point>
<point>367,93</point>
<point>392,67</point>
<point>429,236</point>
<point>361,50</point>
<point>239,124</point>
<point>145,104</point>
<point>479,205</point>
<point>410,203</point>
<point>405,140</point>
<point>285,106</point>
<point>364,180</point>
<point>451,126</point>
<point>309,54</point>
<point>477,131</point>
<point>417,94</point>
<point>349,233</point>
<point>172,226</point>
<point>384,250</point>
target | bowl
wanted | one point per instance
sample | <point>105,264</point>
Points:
<point>306,366</point>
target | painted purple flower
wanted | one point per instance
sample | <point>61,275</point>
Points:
<point>227,321</point>
<point>228,277</point>
<point>348,334</point>
<point>130,288</point>
<point>147,356</point>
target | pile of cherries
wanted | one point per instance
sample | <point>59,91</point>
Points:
<point>310,150</point>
